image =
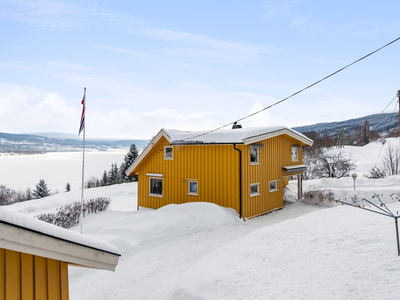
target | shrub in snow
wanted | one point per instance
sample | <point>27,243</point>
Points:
<point>68,215</point>
<point>319,197</point>
<point>395,196</point>
<point>9,196</point>
<point>375,173</point>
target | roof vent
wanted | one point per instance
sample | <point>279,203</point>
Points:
<point>236,125</point>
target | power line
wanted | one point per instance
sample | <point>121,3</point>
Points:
<point>380,116</point>
<point>298,92</point>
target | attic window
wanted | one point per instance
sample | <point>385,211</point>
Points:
<point>295,152</point>
<point>254,155</point>
<point>168,152</point>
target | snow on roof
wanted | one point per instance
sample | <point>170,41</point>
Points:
<point>231,136</point>
<point>20,220</point>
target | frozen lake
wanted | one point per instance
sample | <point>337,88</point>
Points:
<point>57,168</point>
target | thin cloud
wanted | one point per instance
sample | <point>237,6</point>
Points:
<point>134,53</point>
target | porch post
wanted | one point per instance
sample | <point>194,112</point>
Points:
<point>299,187</point>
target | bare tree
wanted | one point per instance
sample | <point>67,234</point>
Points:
<point>391,160</point>
<point>333,165</point>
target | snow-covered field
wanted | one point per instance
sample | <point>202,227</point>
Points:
<point>313,250</point>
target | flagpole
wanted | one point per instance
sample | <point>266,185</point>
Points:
<point>83,159</point>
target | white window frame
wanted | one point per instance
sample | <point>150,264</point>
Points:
<point>295,153</point>
<point>172,152</point>
<point>276,186</point>
<point>162,185</point>
<point>257,193</point>
<point>257,162</point>
<point>197,187</point>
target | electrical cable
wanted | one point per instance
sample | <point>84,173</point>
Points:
<point>298,92</point>
<point>380,115</point>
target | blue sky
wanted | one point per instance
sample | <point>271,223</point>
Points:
<point>191,65</point>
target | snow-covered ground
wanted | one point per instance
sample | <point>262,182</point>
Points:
<point>203,251</point>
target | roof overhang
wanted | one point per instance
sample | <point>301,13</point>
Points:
<point>292,133</point>
<point>148,148</point>
<point>24,240</point>
<point>294,168</point>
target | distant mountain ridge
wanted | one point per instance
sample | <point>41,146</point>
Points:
<point>58,142</point>
<point>378,123</point>
<point>37,143</point>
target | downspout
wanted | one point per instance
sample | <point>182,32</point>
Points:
<point>240,180</point>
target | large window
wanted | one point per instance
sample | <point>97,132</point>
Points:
<point>254,155</point>
<point>156,187</point>
<point>193,187</point>
<point>254,189</point>
<point>295,153</point>
<point>168,152</point>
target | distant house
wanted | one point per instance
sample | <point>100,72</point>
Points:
<point>242,168</point>
<point>34,257</point>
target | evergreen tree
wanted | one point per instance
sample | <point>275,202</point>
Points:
<point>129,159</point>
<point>68,187</point>
<point>28,194</point>
<point>113,174</point>
<point>104,180</point>
<point>41,190</point>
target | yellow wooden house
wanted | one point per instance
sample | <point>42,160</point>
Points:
<point>34,257</point>
<point>242,168</point>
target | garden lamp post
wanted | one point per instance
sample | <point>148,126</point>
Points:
<point>354,178</point>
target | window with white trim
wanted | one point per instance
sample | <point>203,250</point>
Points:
<point>254,155</point>
<point>273,186</point>
<point>254,189</point>
<point>192,187</point>
<point>156,186</point>
<point>168,152</point>
<point>295,153</point>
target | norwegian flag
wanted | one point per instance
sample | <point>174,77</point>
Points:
<point>82,126</point>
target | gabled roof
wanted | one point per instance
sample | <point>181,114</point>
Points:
<point>28,235</point>
<point>230,136</point>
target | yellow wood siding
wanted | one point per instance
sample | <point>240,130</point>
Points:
<point>277,152</point>
<point>25,276</point>
<point>216,169</point>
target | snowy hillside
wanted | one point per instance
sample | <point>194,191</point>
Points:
<point>378,123</point>
<point>307,250</point>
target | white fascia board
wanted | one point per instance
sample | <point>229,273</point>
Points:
<point>293,167</point>
<point>25,241</point>
<point>147,150</point>
<point>287,131</point>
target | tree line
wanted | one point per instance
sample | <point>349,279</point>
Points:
<point>115,174</point>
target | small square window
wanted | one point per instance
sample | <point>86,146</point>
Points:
<point>193,185</point>
<point>254,155</point>
<point>254,189</point>
<point>168,152</point>
<point>156,186</point>
<point>273,186</point>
